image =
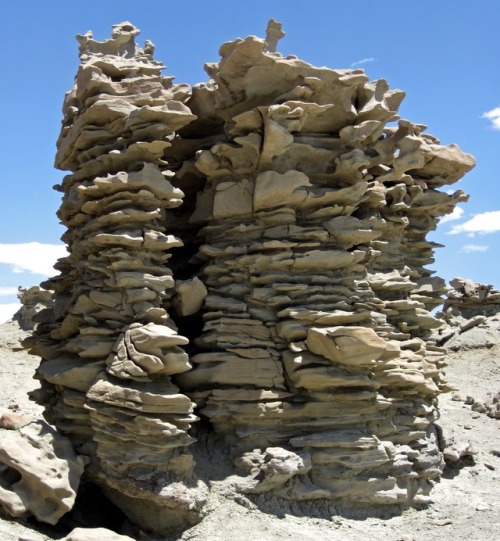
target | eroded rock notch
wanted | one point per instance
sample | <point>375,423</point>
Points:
<point>296,204</point>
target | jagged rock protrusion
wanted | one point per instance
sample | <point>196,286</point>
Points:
<point>469,299</point>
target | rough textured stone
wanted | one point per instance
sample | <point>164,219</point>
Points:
<point>39,472</point>
<point>111,346</point>
<point>470,300</point>
<point>36,307</point>
<point>275,218</point>
<point>95,534</point>
<point>471,316</point>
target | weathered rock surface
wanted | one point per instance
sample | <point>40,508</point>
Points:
<point>39,472</point>
<point>34,300</point>
<point>110,348</point>
<point>95,534</point>
<point>471,312</point>
<point>314,212</point>
<point>470,299</point>
<point>253,252</point>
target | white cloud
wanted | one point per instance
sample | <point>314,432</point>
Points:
<point>486,222</point>
<point>494,116</point>
<point>363,61</point>
<point>455,215</point>
<point>8,310</point>
<point>33,257</point>
<point>470,248</point>
<point>8,291</point>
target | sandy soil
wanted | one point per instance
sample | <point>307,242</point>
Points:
<point>466,501</point>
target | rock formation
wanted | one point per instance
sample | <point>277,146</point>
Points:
<point>469,299</point>
<point>471,313</point>
<point>34,300</point>
<point>108,355</point>
<point>95,534</point>
<point>252,252</point>
<point>39,472</point>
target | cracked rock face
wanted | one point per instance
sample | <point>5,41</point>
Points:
<point>252,252</point>
<point>39,472</point>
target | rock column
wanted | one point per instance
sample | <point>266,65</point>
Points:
<point>108,356</point>
<point>314,215</point>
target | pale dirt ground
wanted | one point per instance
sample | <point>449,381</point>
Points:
<point>466,501</point>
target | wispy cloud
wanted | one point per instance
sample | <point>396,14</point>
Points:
<point>363,61</point>
<point>486,222</point>
<point>455,215</point>
<point>33,257</point>
<point>470,248</point>
<point>8,310</point>
<point>494,116</point>
<point>7,291</point>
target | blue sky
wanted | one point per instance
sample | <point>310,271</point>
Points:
<point>444,54</point>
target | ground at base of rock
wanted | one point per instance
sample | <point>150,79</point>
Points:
<point>466,501</point>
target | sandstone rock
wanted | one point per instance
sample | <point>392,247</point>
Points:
<point>95,534</point>
<point>14,421</point>
<point>255,251</point>
<point>330,257</point>
<point>190,296</point>
<point>352,346</point>
<point>40,472</point>
<point>109,351</point>
<point>454,449</point>
<point>34,300</point>
<point>471,300</point>
<point>492,404</point>
<point>272,468</point>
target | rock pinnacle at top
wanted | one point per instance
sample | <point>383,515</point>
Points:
<point>273,34</point>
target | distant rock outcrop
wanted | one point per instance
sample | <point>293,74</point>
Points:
<point>34,300</point>
<point>471,312</point>
<point>253,252</point>
<point>469,299</point>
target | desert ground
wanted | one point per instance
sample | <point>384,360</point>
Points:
<point>466,502</point>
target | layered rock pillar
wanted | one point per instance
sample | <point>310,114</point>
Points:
<point>286,207</point>
<point>111,349</point>
<point>314,216</point>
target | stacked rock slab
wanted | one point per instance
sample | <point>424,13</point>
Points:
<point>34,300</point>
<point>469,299</point>
<point>299,204</point>
<point>314,215</point>
<point>111,348</point>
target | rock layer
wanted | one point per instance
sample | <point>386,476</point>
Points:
<point>298,204</point>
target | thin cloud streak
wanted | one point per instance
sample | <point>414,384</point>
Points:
<point>494,116</point>
<point>472,248</point>
<point>363,61</point>
<point>33,257</point>
<point>455,215</point>
<point>484,223</point>
<point>7,291</point>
